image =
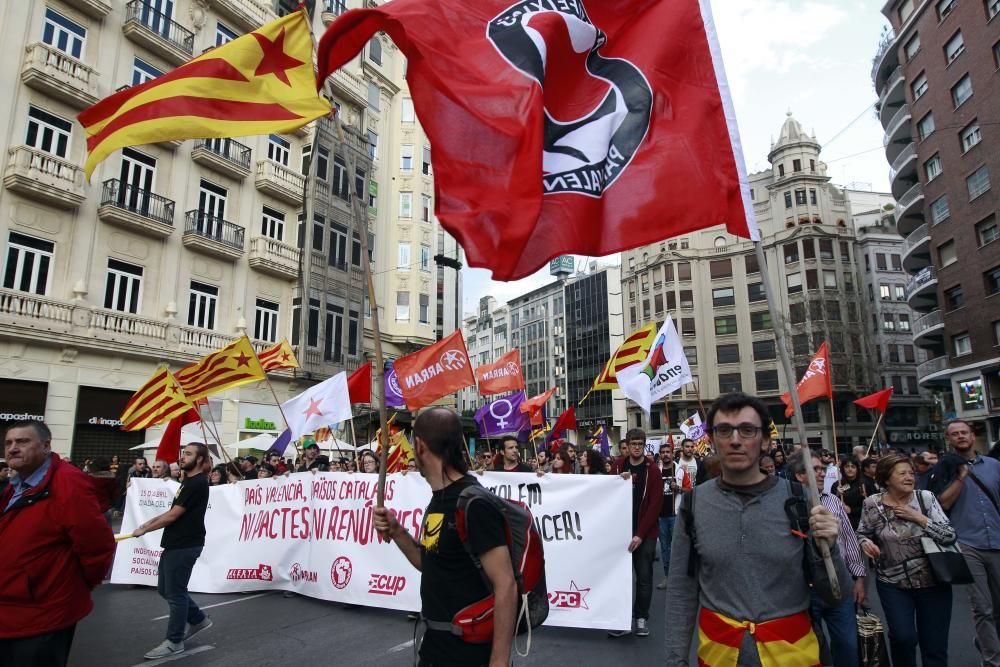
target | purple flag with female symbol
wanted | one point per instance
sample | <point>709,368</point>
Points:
<point>393,396</point>
<point>503,416</point>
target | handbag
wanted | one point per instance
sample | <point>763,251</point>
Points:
<point>947,562</point>
<point>872,649</point>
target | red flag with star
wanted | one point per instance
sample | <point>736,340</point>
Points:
<point>260,83</point>
<point>232,366</point>
<point>326,404</point>
<point>158,400</point>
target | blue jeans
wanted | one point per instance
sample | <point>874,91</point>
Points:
<point>917,616</point>
<point>666,537</point>
<point>172,583</point>
<point>841,626</point>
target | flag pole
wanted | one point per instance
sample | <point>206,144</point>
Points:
<point>267,379</point>
<point>580,402</point>
<point>874,434</point>
<point>833,422</point>
<point>697,394</point>
<point>786,364</point>
<point>354,442</point>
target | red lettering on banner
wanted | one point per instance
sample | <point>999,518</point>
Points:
<point>386,584</point>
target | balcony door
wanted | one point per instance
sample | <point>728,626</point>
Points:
<point>211,209</point>
<point>138,174</point>
<point>157,14</point>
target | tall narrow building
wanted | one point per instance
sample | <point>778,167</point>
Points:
<point>935,75</point>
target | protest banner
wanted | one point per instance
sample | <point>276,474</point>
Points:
<point>313,534</point>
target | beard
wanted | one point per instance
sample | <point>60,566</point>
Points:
<point>188,466</point>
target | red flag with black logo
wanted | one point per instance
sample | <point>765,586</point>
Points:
<point>502,375</point>
<point>434,371</point>
<point>815,381</point>
<point>564,127</point>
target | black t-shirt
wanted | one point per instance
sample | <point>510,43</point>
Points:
<point>520,467</point>
<point>668,473</point>
<point>189,529</point>
<point>638,488</point>
<point>450,580</point>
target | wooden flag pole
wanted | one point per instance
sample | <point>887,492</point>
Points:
<point>786,364</point>
<point>580,402</point>
<point>697,394</point>
<point>874,434</point>
<point>833,422</point>
<point>361,220</point>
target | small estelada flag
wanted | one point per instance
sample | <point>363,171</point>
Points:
<point>160,399</point>
<point>632,351</point>
<point>277,357</point>
<point>502,375</point>
<point>815,381</point>
<point>234,365</point>
<point>434,371</point>
<point>260,83</point>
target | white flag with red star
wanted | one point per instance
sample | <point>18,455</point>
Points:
<point>323,405</point>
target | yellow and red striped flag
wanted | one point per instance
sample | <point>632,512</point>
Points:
<point>632,351</point>
<point>260,83</point>
<point>278,357</point>
<point>160,399</point>
<point>232,366</point>
<point>399,454</point>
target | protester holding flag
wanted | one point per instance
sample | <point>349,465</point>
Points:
<point>450,580</point>
<point>182,543</point>
<point>647,498</point>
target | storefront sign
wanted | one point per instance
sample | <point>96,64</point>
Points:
<point>260,417</point>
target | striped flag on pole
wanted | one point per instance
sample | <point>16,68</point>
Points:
<point>232,366</point>
<point>632,351</point>
<point>160,399</point>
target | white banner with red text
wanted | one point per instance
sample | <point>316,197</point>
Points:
<point>313,534</point>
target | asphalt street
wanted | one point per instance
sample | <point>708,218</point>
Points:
<point>269,629</point>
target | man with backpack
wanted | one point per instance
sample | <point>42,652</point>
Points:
<point>456,573</point>
<point>745,550</point>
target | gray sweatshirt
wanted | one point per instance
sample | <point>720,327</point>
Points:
<point>750,570</point>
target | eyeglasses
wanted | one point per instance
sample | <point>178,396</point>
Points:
<point>746,430</point>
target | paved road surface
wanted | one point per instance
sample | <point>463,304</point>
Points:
<point>269,629</point>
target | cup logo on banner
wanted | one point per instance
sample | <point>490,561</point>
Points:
<point>386,584</point>
<point>574,598</point>
<point>453,360</point>
<point>340,572</point>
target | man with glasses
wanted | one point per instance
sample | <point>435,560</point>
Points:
<point>971,500</point>
<point>647,498</point>
<point>738,554</point>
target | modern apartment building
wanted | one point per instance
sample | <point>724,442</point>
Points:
<point>935,75</point>
<point>538,329</point>
<point>487,338</point>
<point>175,249</point>
<point>710,282</point>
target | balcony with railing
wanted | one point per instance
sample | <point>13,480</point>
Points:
<point>934,371</point>
<point>32,311</point>
<point>279,182</point>
<point>886,59</point>
<point>922,286</point>
<point>135,209</point>
<point>917,249</point>
<point>898,133</point>
<point>114,325</point>
<point>903,173</point>
<point>273,257</point>
<point>910,210</point>
<point>153,30</point>
<point>213,236</point>
<point>226,156</point>
<point>97,9</point>
<point>332,9</point>
<point>56,74</point>
<point>892,95</point>
<point>247,14</point>
<point>928,330</point>
<point>44,178</point>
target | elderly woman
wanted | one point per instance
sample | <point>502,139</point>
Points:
<point>917,608</point>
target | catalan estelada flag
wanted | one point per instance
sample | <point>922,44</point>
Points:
<point>160,399</point>
<point>260,83</point>
<point>788,641</point>
<point>632,351</point>
<point>400,453</point>
<point>278,357</point>
<point>232,366</point>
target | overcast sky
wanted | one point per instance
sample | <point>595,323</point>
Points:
<point>810,57</point>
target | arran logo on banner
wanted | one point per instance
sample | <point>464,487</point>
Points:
<point>597,109</point>
<point>453,360</point>
<point>340,572</point>
<point>298,573</point>
<point>386,584</point>
<point>509,370</point>
<point>261,572</point>
<point>574,598</point>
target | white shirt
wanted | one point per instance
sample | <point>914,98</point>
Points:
<point>832,476</point>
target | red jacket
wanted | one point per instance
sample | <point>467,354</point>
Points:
<point>652,499</point>
<point>57,546</point>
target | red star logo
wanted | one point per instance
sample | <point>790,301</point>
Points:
<point>313,408</point>
<point>285,356</point>
<point>173,388</point>
<point>242,360</point>
<point>275,61</point>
